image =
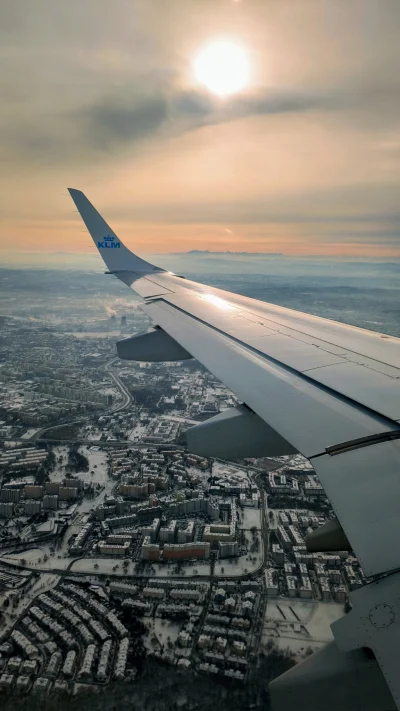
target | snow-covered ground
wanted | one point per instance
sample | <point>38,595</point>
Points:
<point>94,435</point>
<point>105,566</point>
<point>224,470</point>
<point>97,464</point>
<point>227,567</point>
<point>161,633</point>
<point>30,432</point>
<point>297,461</point>
<point>97,474</point>
<point>252,561</point>
<point>60,452</point>
<point>137,433</point>
<point>98,467</point>
<point>35,558</point>
<point>179,418</point>
<point>249,518</point>
<point>158,570</point>
<point>300,624</point>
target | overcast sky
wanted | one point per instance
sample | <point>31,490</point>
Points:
<point>101,96</point>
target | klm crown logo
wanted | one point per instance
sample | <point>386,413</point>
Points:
<point>108,243</point>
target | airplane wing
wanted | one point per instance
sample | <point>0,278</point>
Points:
<point>327,390</point>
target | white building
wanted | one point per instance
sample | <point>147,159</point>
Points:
<point>238,648</point>
<point>185,535</point>
<point>284,538</point>
<point>271,582</point>
<point>325,589</point>
<point>277,554</point>
<point>305,589</point>
<point>87,663</point>
<point>291,582</point>
<point>152,530</point>
<point>157,593</point>
<point>185,595</point>
<point>67,493</point>
<point>228,549</point>
<point>113,548</point>
<point>50,501</point>
<point>32,507</point>
<point>120,662</point>
<point>69,663</point>
<point>6,509</point>
<point>123,588</point>
<point>204,641</point>
<point>167,533</point>
<point>149,550</point>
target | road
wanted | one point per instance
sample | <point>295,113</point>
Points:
<point>126,396</point>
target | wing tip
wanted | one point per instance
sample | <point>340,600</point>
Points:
<point>74,191</point>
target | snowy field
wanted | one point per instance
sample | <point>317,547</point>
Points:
<point>249,518</point>
<point>227,567</point>
<point>35,558</point>
<point>30,432</point>
<point>94,435</point>
<point>103,566</point>
<point>137,433</point>
<point>158,570</point>
<point>229,470</point>
<point>97,464</point>
<point>161,633</point>
<point>98,467</point>
<point>300,624</point>
<point>61,455</point>
<point>177,418</point>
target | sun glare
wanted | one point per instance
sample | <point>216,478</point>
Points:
<point>222,67</point>
<point>217,301</point>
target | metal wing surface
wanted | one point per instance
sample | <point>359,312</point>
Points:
<point>330,390</point>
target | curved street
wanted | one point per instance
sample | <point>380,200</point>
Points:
<point>126,396</point>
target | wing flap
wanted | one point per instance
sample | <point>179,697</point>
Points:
<point>374,390</point>
<point>346,372</point>
<point>363,486</point>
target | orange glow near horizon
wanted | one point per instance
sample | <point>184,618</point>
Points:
<point>71,237</point>
<point>212,128</point>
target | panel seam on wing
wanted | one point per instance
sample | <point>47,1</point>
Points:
<point>391,424</point>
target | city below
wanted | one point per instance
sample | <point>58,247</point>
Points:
<point>117,545</point>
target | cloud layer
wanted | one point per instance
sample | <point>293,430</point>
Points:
<point>101,95</point>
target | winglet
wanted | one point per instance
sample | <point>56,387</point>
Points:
<point>115,255</point>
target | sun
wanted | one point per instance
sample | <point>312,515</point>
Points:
<point>223,67</point>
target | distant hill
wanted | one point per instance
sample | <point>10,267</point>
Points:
<point>205,252</point>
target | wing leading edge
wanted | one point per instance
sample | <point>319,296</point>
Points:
<point>330,390</point>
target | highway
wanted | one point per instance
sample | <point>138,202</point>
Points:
<point>126,396</point>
